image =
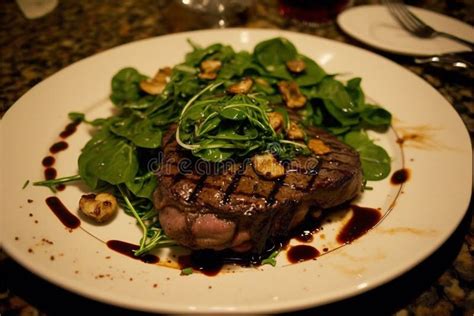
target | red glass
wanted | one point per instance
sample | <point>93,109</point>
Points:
<point>313,11</point>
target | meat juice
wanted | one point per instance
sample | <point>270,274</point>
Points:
<point>312,11</point>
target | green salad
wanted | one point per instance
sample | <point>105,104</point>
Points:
<point>223,104</point>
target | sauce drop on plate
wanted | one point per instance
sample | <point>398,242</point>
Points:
<point>48,161</point>
<point>50,173</point>
<point>69,129</point>
<point>57,147</point>
<point>400,176</point>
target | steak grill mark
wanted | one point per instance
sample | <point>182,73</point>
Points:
<point>276,188</point>
<point>235,181</point>
<point>197,189</point>
<point>238,175</point>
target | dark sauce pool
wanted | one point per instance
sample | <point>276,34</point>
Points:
<point>211,263</point>
<point>301,253</point>
<point>128,249</point>
<point>362,220</point>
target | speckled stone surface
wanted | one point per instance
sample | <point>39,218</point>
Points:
<point>32,50</point>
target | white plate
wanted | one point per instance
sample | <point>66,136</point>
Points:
<point>424,216</point>
<point>373,25</point>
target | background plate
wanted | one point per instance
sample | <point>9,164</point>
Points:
<point>424,216</point>
<point>373,25</point>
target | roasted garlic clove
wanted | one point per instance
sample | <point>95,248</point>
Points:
<point>152,87</point>
<point>296,65</point>
<point>291,94</point>
<point>267,166</point>
<point>241,87</point>
<point>276,120</point>
<point>209,69</point>
<point>157,84</point>
<point>163,75</point>
<point>318,147</point>
<point>295,132</point>
<point>99,207</point>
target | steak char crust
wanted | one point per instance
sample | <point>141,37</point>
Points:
<point>207,206</point>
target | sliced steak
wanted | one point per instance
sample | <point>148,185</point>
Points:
<point>207,206</point>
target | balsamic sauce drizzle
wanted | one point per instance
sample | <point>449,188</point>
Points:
<point>62,213</point>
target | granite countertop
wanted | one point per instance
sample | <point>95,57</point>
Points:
<point>32,50</point>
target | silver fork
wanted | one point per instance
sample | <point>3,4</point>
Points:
<point>415,26</point>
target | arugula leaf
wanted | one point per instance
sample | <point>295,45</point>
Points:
<point>220,127</point>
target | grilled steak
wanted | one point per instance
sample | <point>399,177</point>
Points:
<point>202,206</point>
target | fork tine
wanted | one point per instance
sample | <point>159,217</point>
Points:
<point>412,20</point>
<point>394,9</point>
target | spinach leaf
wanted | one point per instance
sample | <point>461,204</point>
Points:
<point>215,51</point>
<point>125,86</point>
<point>312,75</point>
<point>143,186</point>
<point>242,64</point>
<point>273,54</point>
<point>334,91</point>
<point>376,116</point>
<point>375,160</point>
<point>108,158</point>
<point>140,131</point>
<point>355,92</point>
<point>199,54</point>
<point>344,118</point>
